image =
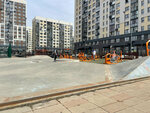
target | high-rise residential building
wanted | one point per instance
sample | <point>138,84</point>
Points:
<point>29,40</point>
<point>13,24</point>
<point>106,23</point>
<point>49,34</point>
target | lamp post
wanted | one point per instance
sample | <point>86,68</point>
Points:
<point>26,40</point>
<point>9,23</point>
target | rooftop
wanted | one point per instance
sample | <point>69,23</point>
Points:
<point>52,20</point>
<point>20,1</point>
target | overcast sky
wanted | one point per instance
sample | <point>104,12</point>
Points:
<point>54,9</point>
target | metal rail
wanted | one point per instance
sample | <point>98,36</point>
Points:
<point>76,91</point>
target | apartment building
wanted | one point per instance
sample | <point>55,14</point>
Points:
<point>13,24</point>
<point>50,34</point>
<point>29,40</point>
<point>107,20</point>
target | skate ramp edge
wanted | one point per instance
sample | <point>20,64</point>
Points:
<point>121,70</point>
<point>142,70</point>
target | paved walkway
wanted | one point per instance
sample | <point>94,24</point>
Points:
<point>130,98</point>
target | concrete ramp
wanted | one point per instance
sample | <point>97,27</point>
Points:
<point>131,69</point>
<point>142,70</point>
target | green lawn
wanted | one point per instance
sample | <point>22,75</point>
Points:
<point>100,61</point>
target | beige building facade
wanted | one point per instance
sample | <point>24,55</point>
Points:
<point>96,19</point>
<point>48,33</point>
<point>29,40</point>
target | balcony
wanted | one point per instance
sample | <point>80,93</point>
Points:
<point>112,23</point>
<point>97,9</point>
<point>134,25</point>
<point>134,16</point>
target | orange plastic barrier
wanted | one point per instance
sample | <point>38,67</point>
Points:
<point>147,47</point>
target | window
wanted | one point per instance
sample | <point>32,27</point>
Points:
<point>142,3</point>
<point>127,8</point>
<point>126,23</point>
<point>148,10</point>
<point>127,39</point>
<point>112,41</point>
<point>142,28</point>
<point>118,19</point>
<point>142,11</point>
<point>148,27</point>
<point>103,4</point>
<point>118,12</point>
<point>126,31</point>
<point>117,40</point>
<point>134,38</point>
<point>142,37</point>
<point>126,1</point>
<point>104,11</point>
<point>118,5</point>
<point>148,18</point>
<point>126,16</point>
<point>103,29</point>
<point>142,19</point>
<point>118,26</point>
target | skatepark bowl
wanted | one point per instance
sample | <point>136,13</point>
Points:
<point>24,76</point>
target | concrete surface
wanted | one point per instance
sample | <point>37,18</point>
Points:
<point>19,76</point>
<point>119,99</point>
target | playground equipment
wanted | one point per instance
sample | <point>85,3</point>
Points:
<point>84,58</point>
<point>111,59</point>
<point>147,47</point>
<point>67,54</point>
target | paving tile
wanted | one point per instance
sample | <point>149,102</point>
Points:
<point>133,101</point>
<point>30,112</point>
<point>95,110</point>
<point>74,103</point>
<point>82,108</point>
<point>108,93</point>
<point>9,111</point>
<point>117,88</point>
<point>121,97</point>
<point>103,91</point>
<point>18,110</point>
<point>130,110</point>
<point>53,109</point>
<point>145,106</point>
<point>23,109</point>
<point>46,104</point>
<point>68,99</point>
<point>100,100</point>
<point>43,110</point>
<point>115,107</point>
<point>87,94</point>
<point>144,97</point>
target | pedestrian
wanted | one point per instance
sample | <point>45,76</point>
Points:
<point>55,55</point>
<point>94,54</point>
<point>114,57</point>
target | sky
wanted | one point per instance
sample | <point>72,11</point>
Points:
<point>55,9</point>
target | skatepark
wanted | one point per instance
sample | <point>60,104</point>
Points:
<point>20,76</point>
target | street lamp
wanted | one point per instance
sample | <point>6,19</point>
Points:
<point>26,39</point>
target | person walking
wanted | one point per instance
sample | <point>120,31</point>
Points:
<point>114,57</point>
<point>94,54</point>
<point>55,55</point>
